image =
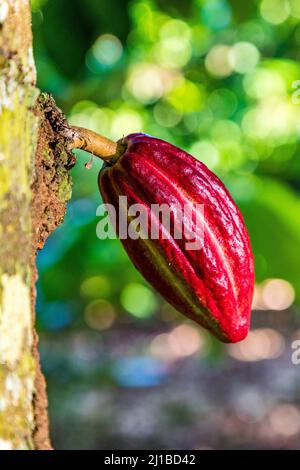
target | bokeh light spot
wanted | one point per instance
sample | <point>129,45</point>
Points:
<point>275,11</point>
<point>274,118</point>
<point>201,39</point>
<point>183,341</point>
<point>262,83</point>
<point>149,82</point>
<point>95,286</point>
<point>277,294</point>
<point>222,102</point>
<point>126,121</point>
<point>175,28</point>
<point>206,152</point>
<point>138,300</point>
<point>139,372</point>
<point>284,420</point>
<point>216,14</point>
<point>256,32</point>
<point>244,57</point>
<point>187,97</point>
<point>260,344</point>
<point>174,47</point>
<point>217,61</point>
<point>166,115</point>
<point>106,50</point>
<point>99,314</point>
<point>225,130</point>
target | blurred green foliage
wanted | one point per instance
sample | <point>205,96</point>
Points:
<point>221,79</point>
<point>217,78</point>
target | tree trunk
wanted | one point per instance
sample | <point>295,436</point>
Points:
<point>34,186</point>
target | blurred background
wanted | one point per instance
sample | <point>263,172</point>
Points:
<point>218,78</point>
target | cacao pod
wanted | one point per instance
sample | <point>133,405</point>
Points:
<point>212,285</point>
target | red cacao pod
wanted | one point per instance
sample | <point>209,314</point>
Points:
<point>212,285</point>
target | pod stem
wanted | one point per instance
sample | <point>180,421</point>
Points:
<point>98,145</point>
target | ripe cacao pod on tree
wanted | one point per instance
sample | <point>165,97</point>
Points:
<point>212,285</point>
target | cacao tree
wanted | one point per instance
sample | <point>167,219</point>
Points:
<point>31,157</point>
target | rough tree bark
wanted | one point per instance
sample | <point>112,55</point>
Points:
<point>34,188</point>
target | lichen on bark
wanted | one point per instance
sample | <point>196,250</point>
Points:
<point>34,187</point>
